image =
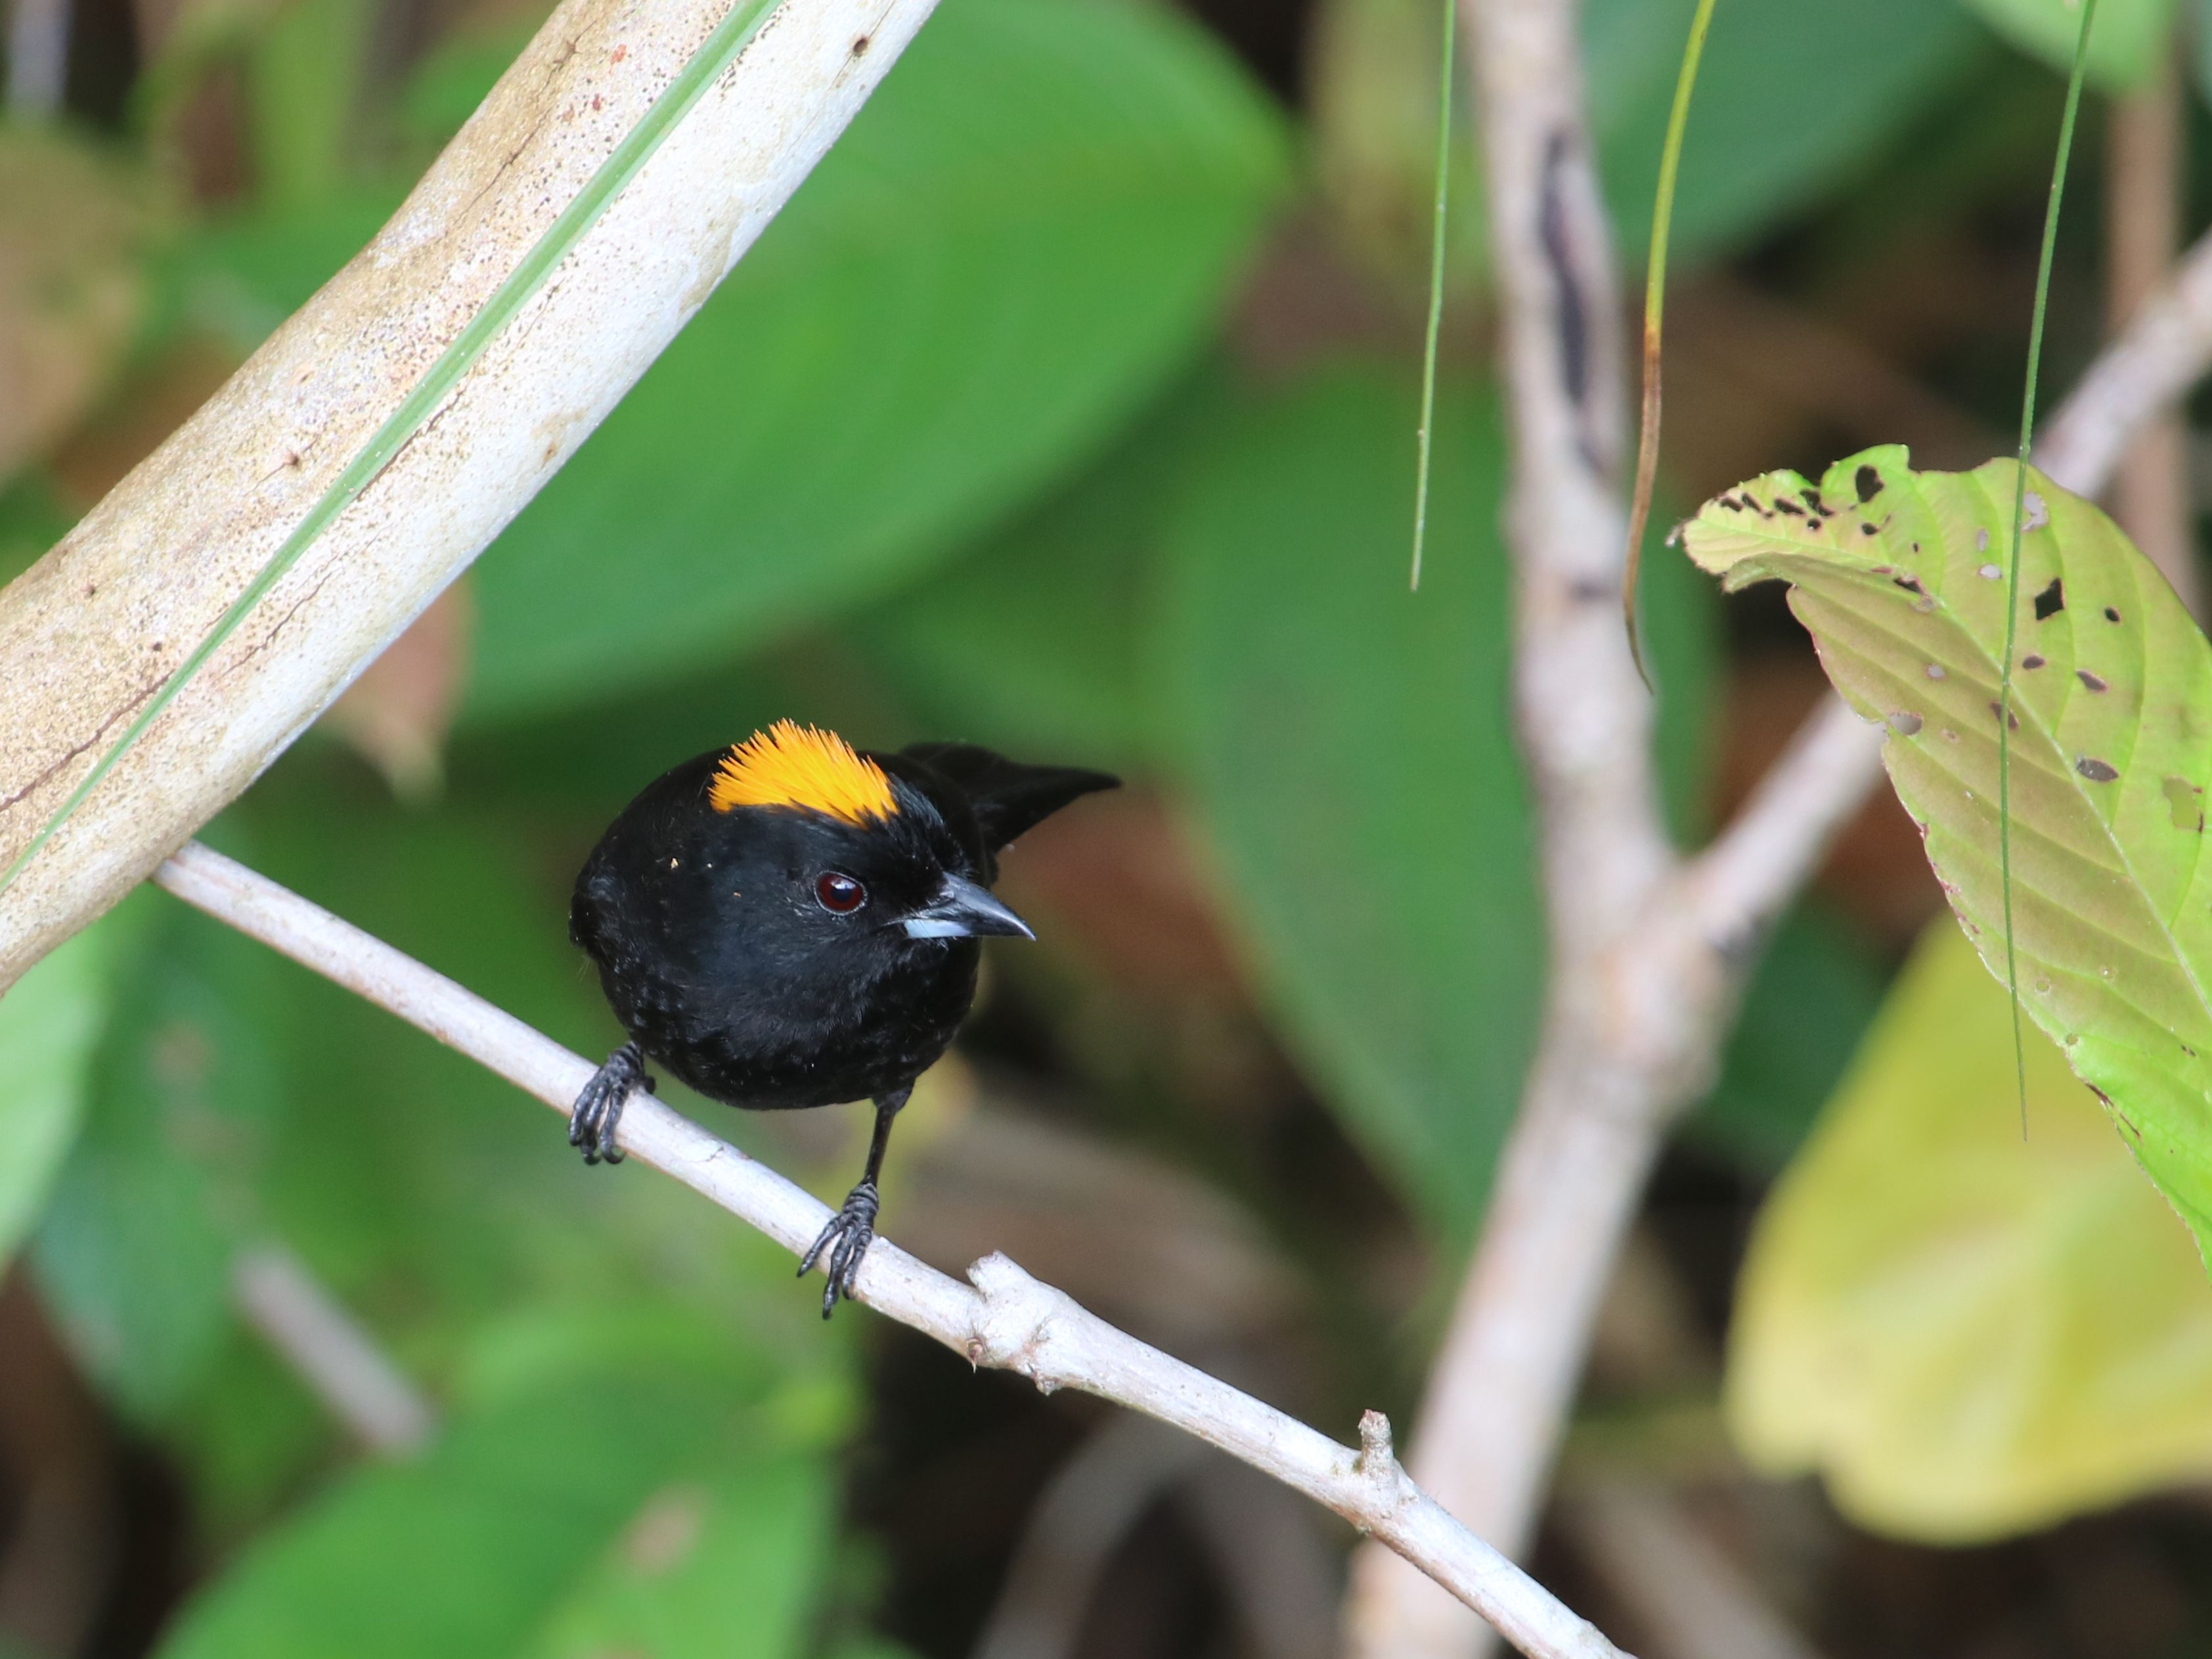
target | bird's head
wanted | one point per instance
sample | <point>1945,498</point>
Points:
<point>834,850</point>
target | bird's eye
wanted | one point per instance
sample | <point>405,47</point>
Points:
<point>839,893</point>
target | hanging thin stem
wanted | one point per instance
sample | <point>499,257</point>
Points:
<point>1436,294</point>
<point>2019,509</point>
<point>1655,306</point>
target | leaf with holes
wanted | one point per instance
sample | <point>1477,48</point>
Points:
<point>1900,577</point>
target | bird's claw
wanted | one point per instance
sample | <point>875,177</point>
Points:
<point>847,1235</point>
<point>598,1109</point>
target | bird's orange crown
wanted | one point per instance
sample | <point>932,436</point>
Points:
<point>795,765</point>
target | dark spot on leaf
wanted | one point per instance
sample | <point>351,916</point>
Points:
<point>1866,529</point>
<point>1869,482</point>
<point>2095,770</point>
<point>1813,500</point>
<point>1916,547</point>
<point>2050,602</point>
<point>1729,502</point>
<point>2110,615</point>
<point>1906,724</point>
<point>1910,584</point>
<point>2090,680</point>
<point>2031,661</point>
<point>2184,801</point>
<point>1783,504</point>
<point>860,47</point>
<point>1591,589</point>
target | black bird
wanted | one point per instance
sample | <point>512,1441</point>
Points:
<point>791,921</point>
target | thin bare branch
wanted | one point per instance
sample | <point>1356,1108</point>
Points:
<point>2144,144</point>
<point>1094,1501</point>
<point>338,1360</point>
<point>38,59</point>
<point>2158,356</point>
<point>1733,892</point>
<point>1001,1318</point>
<point>1603,1078</point>
<point>1689,1599</point>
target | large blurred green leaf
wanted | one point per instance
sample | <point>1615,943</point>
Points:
<point>1036,642</point>
<point>51,1020</point>
<point>1019,237</point>
<point>1970,1333</point>
<point>2130,40</point>
<point>1899,577</point>
<point>1350,747</point>
<point>617,1514</point>
<point>135,1247</point>
<point>1791,95</point>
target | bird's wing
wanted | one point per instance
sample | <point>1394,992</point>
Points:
<point>1006,796</point>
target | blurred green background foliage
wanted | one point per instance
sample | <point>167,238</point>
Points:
<point>1068,408</point>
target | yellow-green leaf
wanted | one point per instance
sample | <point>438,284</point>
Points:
<point>1969,1335</point>
<point>1900,577</point>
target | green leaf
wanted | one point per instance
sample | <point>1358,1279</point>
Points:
<point>727,1567</point>
<point>2131,40</point>
<point>304,79</point>
<point>1900,578</point>
<point>1791,96</point>
<point>1969,1333</point>
<point>51,1021</point>
<point>1810,1000</point>
<point>618,1510</point>
<point>1021,236</point>
<point>134,1251</point>
<point>1036,642</point>
<point>1349,748</point>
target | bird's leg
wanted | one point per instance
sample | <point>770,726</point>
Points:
<point>598,1109</point>
<point>853,1228</point>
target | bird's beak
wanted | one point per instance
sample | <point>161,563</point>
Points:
<point>964,910</point>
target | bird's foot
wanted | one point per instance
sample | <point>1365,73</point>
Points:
<point>851,1231</point>
<point>598,1109</point>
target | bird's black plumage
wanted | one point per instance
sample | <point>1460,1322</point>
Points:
<point>793,923</point>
